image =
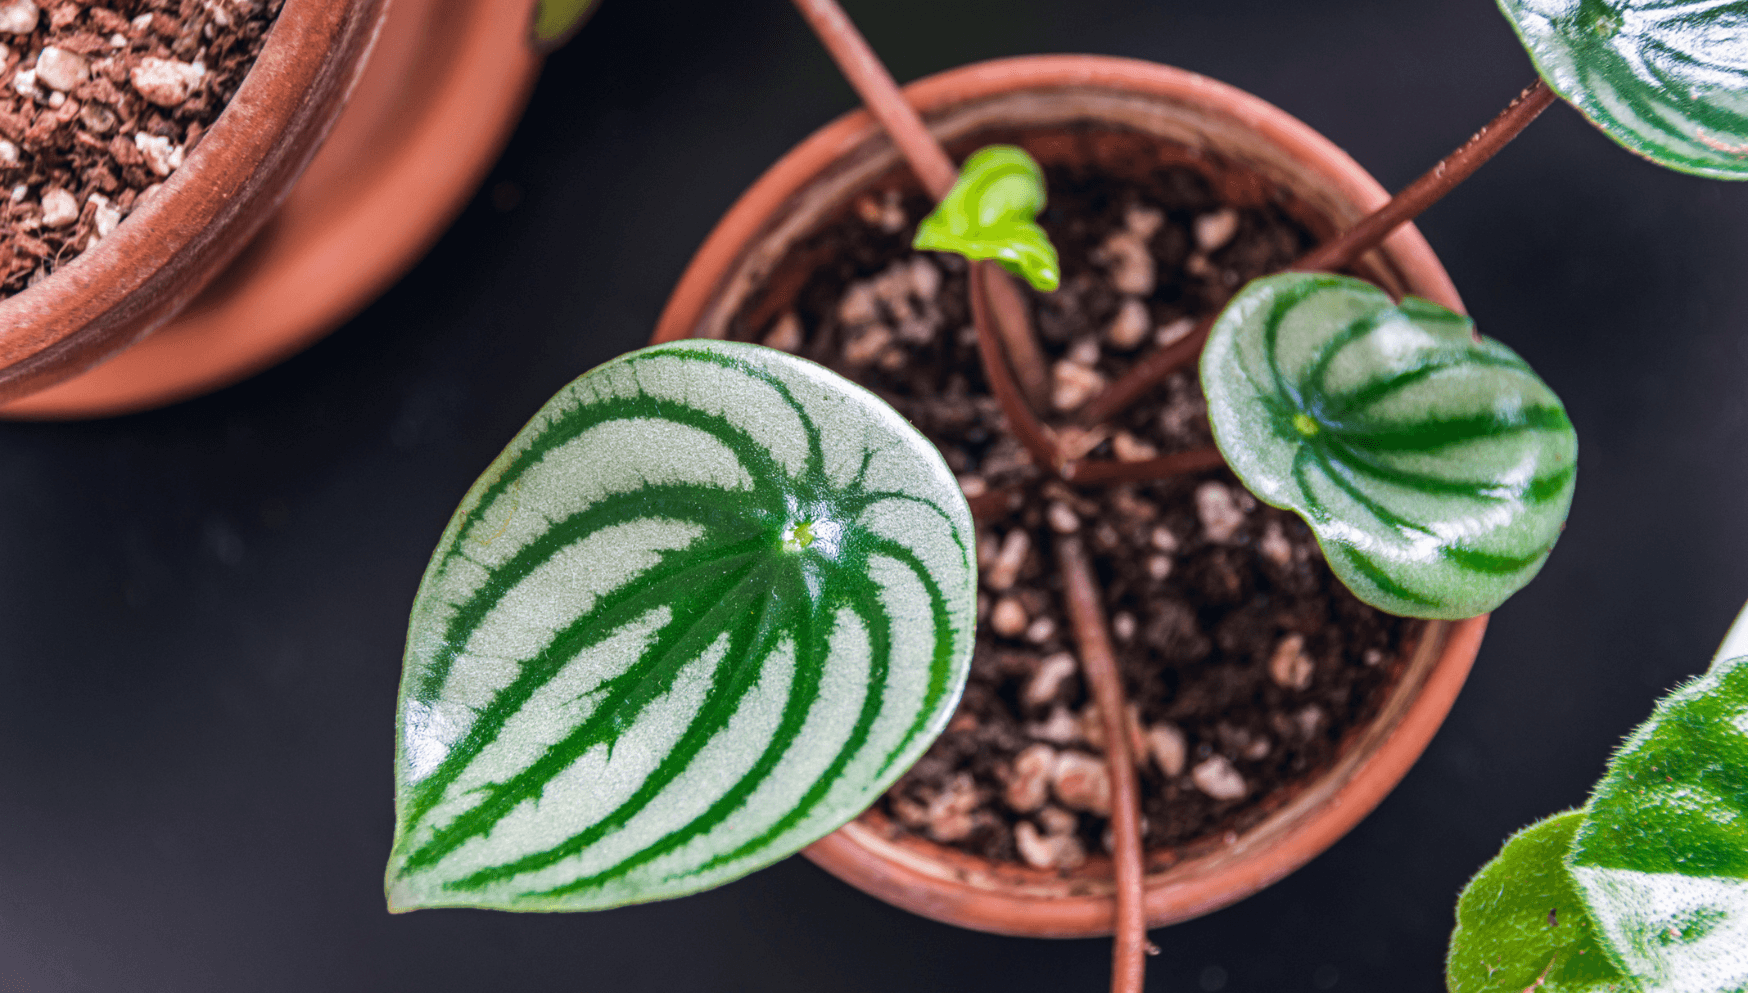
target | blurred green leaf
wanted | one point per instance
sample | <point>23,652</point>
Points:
<point>556,20</point>
<point>991,213</point>
<point>1668,79</point>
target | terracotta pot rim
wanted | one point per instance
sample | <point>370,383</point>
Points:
<point>932,880</point>
<point>117,291</point>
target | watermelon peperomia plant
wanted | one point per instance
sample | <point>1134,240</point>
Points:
<point>1644,889</point>
<point>713,599</point>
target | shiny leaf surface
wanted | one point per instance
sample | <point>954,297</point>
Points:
<point>705,607</point>
<point>991,213</point>
<point>1434,467</point>
<point>1521,924</point>
<point>1662,857</point>
<point>1668,79</point>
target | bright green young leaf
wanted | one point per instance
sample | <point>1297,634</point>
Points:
<point>1521,925</point>
<point>556,20</point>
<point>1662,857</point>
<point>1434,467</point>
<point>705,607</point>
<point>1666,78</point>
<point>991,213</point>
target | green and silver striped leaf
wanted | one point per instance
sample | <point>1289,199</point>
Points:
<point>1662,856</point>
<point>1433,465</point>
<point>1668,79</point>
<point>707,605</point>
<point>1521,924</point>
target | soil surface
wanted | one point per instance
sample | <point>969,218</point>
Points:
<point>99,104</point>
<point>1246,662</point>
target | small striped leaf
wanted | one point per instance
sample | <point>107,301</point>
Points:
<point>1668,79</point>
<point>1521,924</point>
<point>1433,466</point>
<point>707,605</point>
<point>1662,857</point>
<point>991,213</point>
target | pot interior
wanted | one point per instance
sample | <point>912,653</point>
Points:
<point>1125,135</point>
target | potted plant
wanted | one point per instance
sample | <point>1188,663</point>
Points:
<point>76,82</point>
<point>444,852</point>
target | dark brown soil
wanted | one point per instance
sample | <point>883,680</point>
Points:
<point>98,105</point>
<point>1245,661</point>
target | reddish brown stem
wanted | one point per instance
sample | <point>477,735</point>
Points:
<point>868,76</point>
<point>1432,186</point>
<point>1341,250</point>
<point>1099,663</point>
<point>880,93</point>
<point>1094,472</point>
<point>1025,425</point>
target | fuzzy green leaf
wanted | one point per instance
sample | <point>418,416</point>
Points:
<point>1668,79</point>
<point>1662,857</point>
<point>991,213</point>
<point>1521,924</point>
<point>1434,467</point>
<point>705,607</point>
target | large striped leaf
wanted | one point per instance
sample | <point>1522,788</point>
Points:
<point>1666,78</point>
<point>1433,466</point>
<point>991,213</point>
<point>707,605</point>
<point>1522,926</point>
<point>1662,856</point>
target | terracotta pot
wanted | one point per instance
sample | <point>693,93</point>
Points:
<point>159,258</point>
<point>1248,149</point>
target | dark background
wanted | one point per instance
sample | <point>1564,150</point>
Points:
<point>202,608</point>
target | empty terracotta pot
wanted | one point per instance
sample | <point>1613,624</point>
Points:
<point>1247,149</point>
<point>153,263</point>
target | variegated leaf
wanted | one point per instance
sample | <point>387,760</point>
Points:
<point>991,213</point>
<point>1668,79</point>
<point>707,605</point>
<point>1521,925</point>
<point>1662,857</point>
<point>1434,466</point>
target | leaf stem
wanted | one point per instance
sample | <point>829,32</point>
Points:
<point>880,93</point>
<point>1037,438</point>
<point>1341,250</point>
<point>1096,471</point>
<point>1099,663</point>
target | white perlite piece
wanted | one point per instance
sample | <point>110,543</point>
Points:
<point>104,218</point>
<point>949,813</point>
<point>1041,629</point>
<point>24,82</point>
<point>1216,777</point>
<point>1214,230</point>
<point>1028,782</point>
<point>1073,384</point>
<point>1129,263</point>
<point>8,152</point>
<point>1143,222</point>
<point>1167,746</point>
<point>1176,331</point>
<point>1274,545</point>
<point>1128,329</point>
<point>59,208</point>
<point>1219,512</point>
<point>1081,782</point>
<point>1061,727</point>
<point>1063,519</point>
<point>161,156</point>
<point>1008,618</point>
<point>60,69</point>
<point>1006,568</point>
<point>166,82</point>
<point>1289,666</point>
<point>1047,851</point>
<point>1042,687</point>
<point>18,17</point>
<point>1129,448</point>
